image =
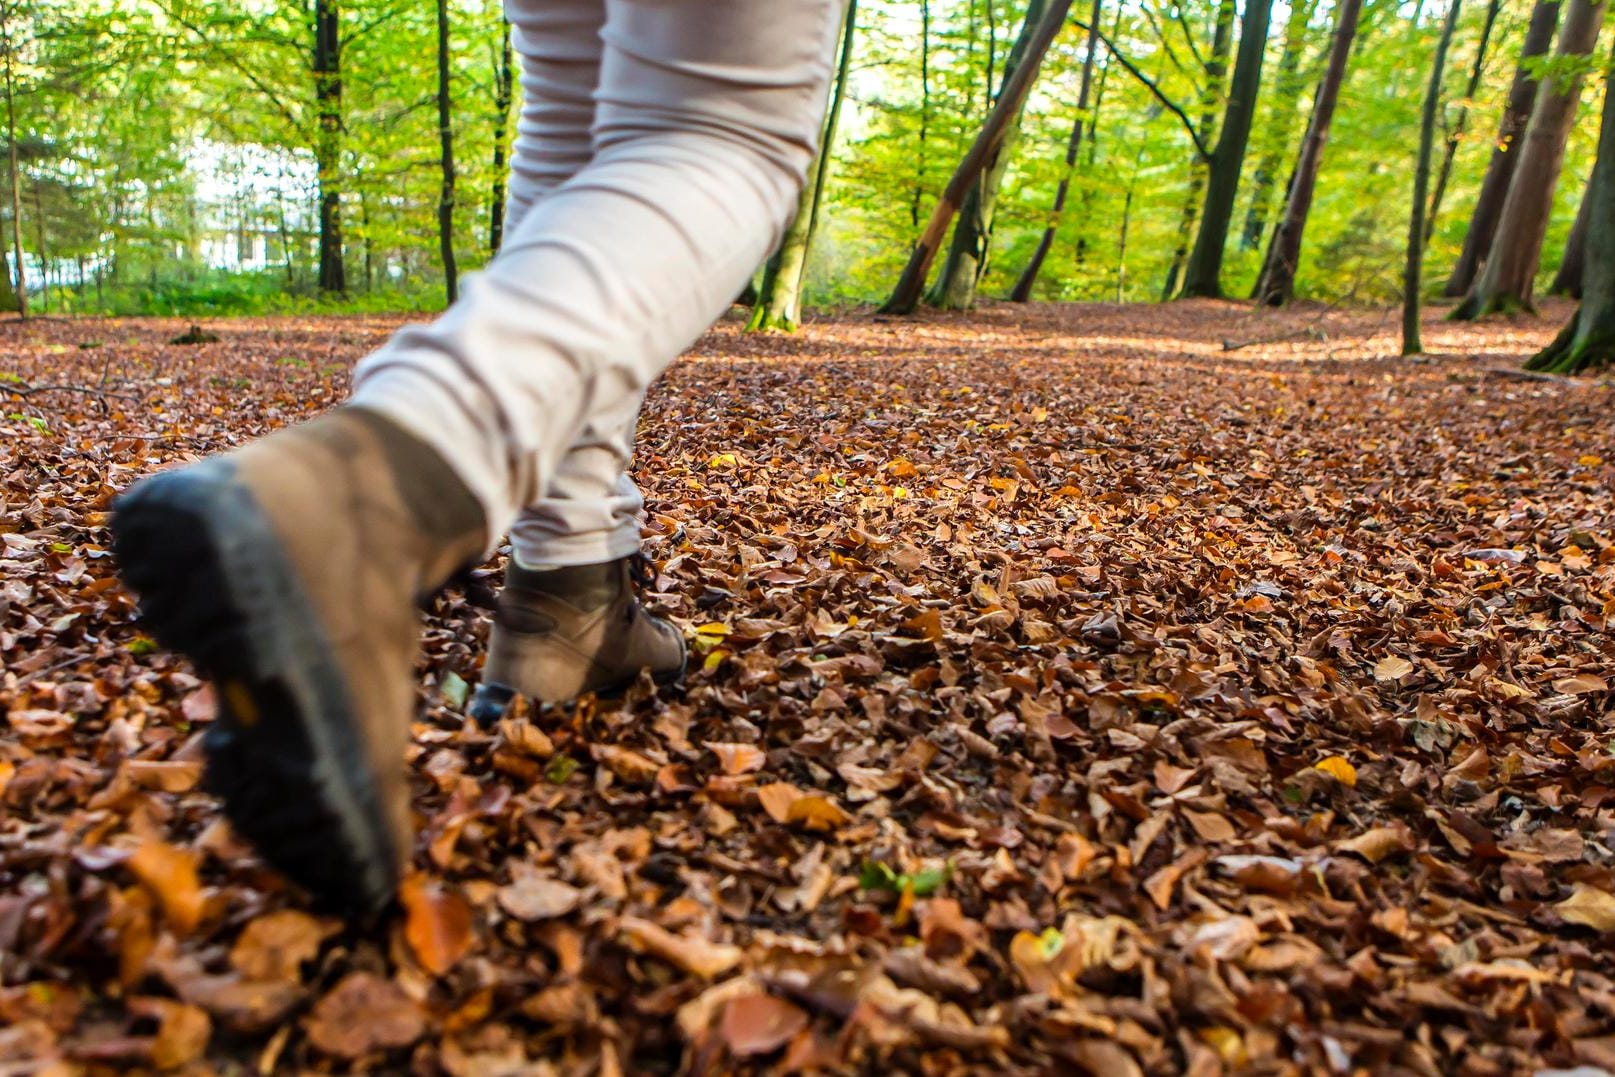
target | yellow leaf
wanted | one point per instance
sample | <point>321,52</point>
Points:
<point>1588,907</point>
<point>715,629</point>
<point>1227,1043</point>
<point>724,459</point>
<point>1589,461</point>
<point>1339,769</point>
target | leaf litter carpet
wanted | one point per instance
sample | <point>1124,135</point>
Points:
<point>1070,693</point>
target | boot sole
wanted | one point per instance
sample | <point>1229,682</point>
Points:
<point>285,753</point>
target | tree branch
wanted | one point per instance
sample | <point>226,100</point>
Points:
<point>1154,88</point>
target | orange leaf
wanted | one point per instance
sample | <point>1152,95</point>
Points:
<point>1339,769</point>
<point>814,812</point>
<point>777,799</point>
<point>738,758</point>
<point>437,924</point>
<point>170,875</point>
<point>689,953</point>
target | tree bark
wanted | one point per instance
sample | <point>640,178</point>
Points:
<point>1222,41</point>
<point>1500,169</point>
<point>1413,272</point>
<point>955,287</point>
<point>328,141</point>
<point>445,137</point>
<point>504,84</point>
<point>1028,277</point>
<point>1287,86</point>
<point>1588,341</point>
<point>1505,284</point>
<point>1455,134</point>
<point>19,293</point>
<point>1276,283</point>
<point>925,113</point>
<point>779,299</point>
<point>1573,264</point>
<point>1204,274</point>
<point>906,294</point>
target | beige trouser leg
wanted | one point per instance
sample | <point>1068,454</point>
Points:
<point>590,509</point>
<point>705,115</point>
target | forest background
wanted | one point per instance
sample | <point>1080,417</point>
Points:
<point>182,156</point>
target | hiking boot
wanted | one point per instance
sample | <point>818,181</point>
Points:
<point>289,573</point>
<point>562,632</point>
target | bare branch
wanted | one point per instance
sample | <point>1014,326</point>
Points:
<point>1154,88</point>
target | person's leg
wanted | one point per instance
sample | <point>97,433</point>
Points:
<point>288,570</point>
<point>568,619</point>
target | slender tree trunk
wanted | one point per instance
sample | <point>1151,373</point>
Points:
<point>328,142</point>
<point>1500,168</point>
<point>1505,283</point>
<point>504,83</point>
<point>1588,341</point>
<point>1573,263</point>
<point>1203,277</point>
<point>20,290</point>
<point>1276,283</point>
<point>1028,277</point>
<point>1455,134</point>
<point>1287,85</point>
<point>445,138</point>
<point>955,287</point>
<point>778,303</point>
<point>906,294</point>
<point>1216,71</point>
<point>1412,275</point>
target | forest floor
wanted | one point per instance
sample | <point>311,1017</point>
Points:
<point>1070,694</point>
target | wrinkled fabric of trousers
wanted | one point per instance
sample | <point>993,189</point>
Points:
<point>659,153</point>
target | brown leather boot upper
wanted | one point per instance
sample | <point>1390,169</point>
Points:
<point>560,633</point>
<point>289,572</point>
<point>372,521</point>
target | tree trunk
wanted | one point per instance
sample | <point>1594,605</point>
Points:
<point>1413,275</point>
<point>1455,134</point>
<point>1588,342</point>
<point>906,294</point>
<point>445,138</point>
<point>1500,169</point>
<point>328,143</point>
<point>1573,264</point>
<point>1276,283</point>
<point>504,84</point>
<point>19,293</point>
<point>1505,284</point>
<point>1287,85</point>
<point>1222,41</point>
<point>925,113</point>
<point>1028,277</point>
<point>955,287</point>
<point>778,302</point>
<point>1204,274</point>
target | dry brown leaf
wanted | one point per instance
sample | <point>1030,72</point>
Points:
<point>760,1024</point>
<point>629,766</point>
<point>738,758</point>
<point>533,895</point>
<point>1377,844</point>
<point>688,953</point>
<point>361,1014</point>
<point>275,945</point>
<point>777,798</point>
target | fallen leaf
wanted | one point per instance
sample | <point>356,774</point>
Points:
<point>814,812</point>
<point>170,875</point>
<point>777,798</point>
<point>364,1013</point>
<point>1392,668</point>
<point>760,1024</point>
<point>1589,907</point>
<point>275,945</point>
<point>437,923</point>
<point>1338,768</point>
<point>688,953</point>
<point>1380,842</point>
<point>738,758</point>
<point>533,895</point>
